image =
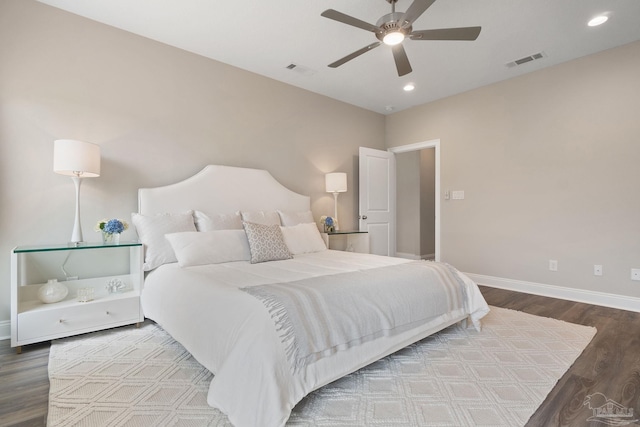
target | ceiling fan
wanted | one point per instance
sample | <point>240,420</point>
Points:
<point>394,27</point>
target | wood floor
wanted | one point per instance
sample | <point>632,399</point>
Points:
<point>609,365</point>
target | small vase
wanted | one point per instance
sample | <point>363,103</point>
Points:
<point>110,238</point>
<point>53,291</point>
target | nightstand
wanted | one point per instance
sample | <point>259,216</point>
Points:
<point>87,266</point>
<point>347,240</point>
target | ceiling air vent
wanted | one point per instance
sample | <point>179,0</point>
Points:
<point>300,69</point>
<point>526,59</point>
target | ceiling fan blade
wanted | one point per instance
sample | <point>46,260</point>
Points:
<point>462,33</point>
<point>349,20</point>
<point>402,61</point>
<point>353,55</point>
<point>416,9</point>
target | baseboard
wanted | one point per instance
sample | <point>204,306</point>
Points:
<point>621,302</point>
<point>5,329</point>
<point>407,256</point>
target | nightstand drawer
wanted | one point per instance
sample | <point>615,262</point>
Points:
<point>83,317</point>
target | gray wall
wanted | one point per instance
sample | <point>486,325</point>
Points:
<point>427,202</point>
<point>159,114</point>
<point>408,204</point>
<point>549,165</point>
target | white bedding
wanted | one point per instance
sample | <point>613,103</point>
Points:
<point>232,335</point>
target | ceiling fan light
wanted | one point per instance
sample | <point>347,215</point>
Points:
<point>393,38</point>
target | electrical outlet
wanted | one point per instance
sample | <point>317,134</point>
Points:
<point>553,265</point>
<point>597,270</point>
<point>635,274</point>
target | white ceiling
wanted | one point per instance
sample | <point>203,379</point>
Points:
<point>265,36</point>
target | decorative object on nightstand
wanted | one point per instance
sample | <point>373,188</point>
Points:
<point>77,159</point>
<point>111,229</point>
<point>328,224</point>
<point>115,285</point>
<point>336,183</point>
<point>52,291</point>
<point>85,294</point>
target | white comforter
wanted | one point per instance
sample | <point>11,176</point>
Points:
<point>231,334</point>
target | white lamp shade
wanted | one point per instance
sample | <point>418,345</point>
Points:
<point>76,158</point>
<point>336,182</point>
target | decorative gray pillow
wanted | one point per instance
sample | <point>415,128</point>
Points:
<point>266,242</point>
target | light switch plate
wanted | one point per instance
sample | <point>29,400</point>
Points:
<point>457,195</point>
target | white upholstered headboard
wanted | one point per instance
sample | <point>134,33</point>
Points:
<point>222,189</point>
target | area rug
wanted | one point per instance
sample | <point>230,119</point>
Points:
<point>458,377</point>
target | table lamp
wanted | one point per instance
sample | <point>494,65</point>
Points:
<point>336,183</point>
<point>77,159</point>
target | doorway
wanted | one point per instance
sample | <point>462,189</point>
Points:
<point>415,204</point>
<point>429,202</point>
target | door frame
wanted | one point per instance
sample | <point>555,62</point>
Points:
<point>434,143</point>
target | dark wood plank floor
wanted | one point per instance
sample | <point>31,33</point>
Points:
<point>609,365</point>
<point>24,385</point>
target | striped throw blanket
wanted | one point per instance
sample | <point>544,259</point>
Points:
<point>319,316</point>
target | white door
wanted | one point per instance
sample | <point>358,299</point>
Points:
<point>378,199</point>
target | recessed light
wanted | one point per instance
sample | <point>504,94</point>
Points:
<point>409,87</point>
<point>598,20</point>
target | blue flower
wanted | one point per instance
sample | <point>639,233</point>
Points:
<point>114,226</point>
<point>328,221</point>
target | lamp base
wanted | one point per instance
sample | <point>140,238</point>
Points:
<point>335,211</point>
<point>76,235</point>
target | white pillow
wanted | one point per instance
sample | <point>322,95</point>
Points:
<point>303,239</point>
<point>209,247</point>
<point>266,242</point>
<point>151,230</point>
<point>294,218</point>
<point>261,217</point>
<point>209,222</point>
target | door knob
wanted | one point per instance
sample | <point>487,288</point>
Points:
<point>363,217</point>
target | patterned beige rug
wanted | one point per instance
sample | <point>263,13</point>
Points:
<point>458,377</point>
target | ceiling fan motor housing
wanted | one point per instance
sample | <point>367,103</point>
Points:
<point>392,23</point>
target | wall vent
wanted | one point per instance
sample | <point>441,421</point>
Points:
<point>526,59</point>
<point>300,69</point>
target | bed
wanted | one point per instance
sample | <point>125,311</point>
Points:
<point>273,327</point>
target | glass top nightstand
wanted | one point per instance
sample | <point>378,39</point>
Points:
<point>331,233</point>
<point>348,240</point>
<point>88,268</point>
<point>72,246</point>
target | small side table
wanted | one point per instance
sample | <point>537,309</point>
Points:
<point>94,265</point>
<point>348,240</point>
